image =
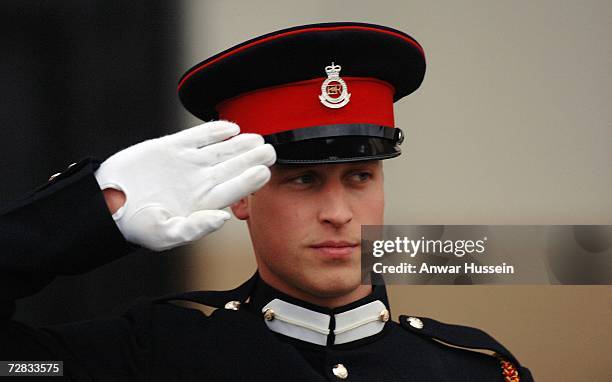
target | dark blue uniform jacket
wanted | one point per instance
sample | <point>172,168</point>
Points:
<point>64,228</point>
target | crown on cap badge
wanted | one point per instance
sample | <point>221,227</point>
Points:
<point>334,92</point>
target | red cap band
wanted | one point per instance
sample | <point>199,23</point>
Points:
<point>297,105</point>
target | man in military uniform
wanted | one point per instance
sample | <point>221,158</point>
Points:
<point>314,102</point>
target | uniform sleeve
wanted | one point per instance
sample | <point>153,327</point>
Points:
<point>62,228</point>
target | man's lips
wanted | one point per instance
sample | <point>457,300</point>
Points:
<point>335,244</point>
<point>335,249</point>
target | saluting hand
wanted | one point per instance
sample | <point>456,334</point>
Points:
<point>176,185</point>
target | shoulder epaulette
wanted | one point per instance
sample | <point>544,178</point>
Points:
<point>216,299</point>
<point>470,338</point>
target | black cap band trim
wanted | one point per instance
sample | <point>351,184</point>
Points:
<point>348,148</point>
<point>337,130</point>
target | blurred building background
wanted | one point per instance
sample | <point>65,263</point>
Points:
<point>78,79</point>
<point>511,126</point>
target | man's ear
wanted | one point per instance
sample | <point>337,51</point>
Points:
<point>241,208</point>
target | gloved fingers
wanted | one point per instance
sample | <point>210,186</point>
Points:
<point>179,230</point>
<point>158,229</point>
<point>206,134</point>
<point>261,155</point>
<point>222,151</point>
<point>227,193</point>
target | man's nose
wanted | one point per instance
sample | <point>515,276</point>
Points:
<point>334,205</point>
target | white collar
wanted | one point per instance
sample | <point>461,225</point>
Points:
<point>307,325</point>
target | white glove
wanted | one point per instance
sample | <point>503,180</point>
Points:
<point>175,185</point>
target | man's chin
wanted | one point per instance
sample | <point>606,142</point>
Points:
<point>334,283</point>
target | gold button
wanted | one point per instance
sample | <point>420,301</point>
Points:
<point>269,314</point>
<point>384,315</point>
<point>340,371</point>
<point>232,305</point>
<point>415,322</point>
<point>54,176</point>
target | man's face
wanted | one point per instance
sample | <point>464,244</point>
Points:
<point>305,225</point>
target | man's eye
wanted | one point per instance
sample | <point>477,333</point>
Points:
<point>304,179</point>
<point>361,176</point>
